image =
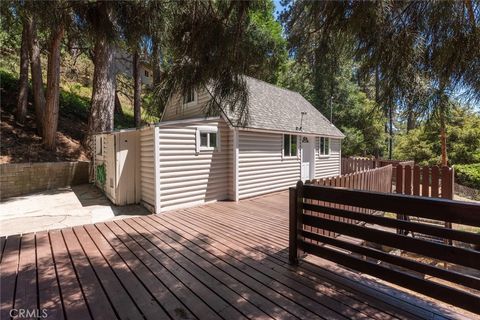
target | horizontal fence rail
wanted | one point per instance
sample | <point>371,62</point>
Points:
<point>434,182</point>
<point>371,180</point>
<point>458,283</point>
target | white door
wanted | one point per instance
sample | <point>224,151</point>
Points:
<point>126,167</point>
<point>307,158</point>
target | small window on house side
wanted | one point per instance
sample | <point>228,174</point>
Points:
<point>207,139</point>
<point>99,146</point>
<point>203,139</point>
<point>146,73</point>
<point>289,145</point>
<point>212,139</point>
<point>324,148</point>
<point>189,97</point>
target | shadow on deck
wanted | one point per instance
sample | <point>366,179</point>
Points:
<point>222,260</point>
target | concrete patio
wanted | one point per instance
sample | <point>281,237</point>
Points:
<point>60,208</point>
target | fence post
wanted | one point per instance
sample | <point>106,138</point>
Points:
<point>295,222</point>
<point>292,234</point>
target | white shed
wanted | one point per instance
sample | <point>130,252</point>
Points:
<point>118,153</point>
<point>189,159</point>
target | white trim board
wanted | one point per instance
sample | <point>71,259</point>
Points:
<point>156,166</point>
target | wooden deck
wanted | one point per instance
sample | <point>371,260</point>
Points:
<point>218,261</point>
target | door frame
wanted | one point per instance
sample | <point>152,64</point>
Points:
<point>312,140</point>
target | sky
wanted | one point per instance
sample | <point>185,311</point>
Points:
<point>278,7</point>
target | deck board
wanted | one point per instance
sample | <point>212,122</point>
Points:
<point>223,260</point>
<point>119,297</point>
<point>48,290</point>
<point>27,276</point>
<point>9,271</point>
<point>100,306</point>
<point>72,295</point>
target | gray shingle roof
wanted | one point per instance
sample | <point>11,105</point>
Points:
<point>274,108</point>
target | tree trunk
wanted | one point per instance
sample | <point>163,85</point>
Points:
<point>118,105</point>
<point>443,134</point>
<point>156,62</point>
<point>390,131</point>
<point>410,118</point>
<point>50,120</point>
<point>37,80</point>
<point>22,100</point>
<point>103,95</point>
<point>137,90</point>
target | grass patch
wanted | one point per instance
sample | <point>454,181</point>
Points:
<point>74,101</point>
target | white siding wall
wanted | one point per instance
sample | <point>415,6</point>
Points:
<point>147,172</point>
<point>175,109</point>
<point>328,166</point>
<point>261,166</point>
<point>188,178</point>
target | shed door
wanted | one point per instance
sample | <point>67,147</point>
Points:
<point>109,154</point>
<point>307,158</point>
<point>126,168</point>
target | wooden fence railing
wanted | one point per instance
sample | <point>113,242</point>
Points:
<point>433,182</point>
<point>456,285</point>
<point>352,165</point>
<point>356,164</point>
<point>425,181</point>
<point>371,180</point>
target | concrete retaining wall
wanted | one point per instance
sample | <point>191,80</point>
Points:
<point>17,179</point>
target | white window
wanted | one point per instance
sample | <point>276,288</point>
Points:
<point>99,146</point>
<point>324,147</point>
<point>290,145</point>
<point>208,139</point>
<point>190,98</point>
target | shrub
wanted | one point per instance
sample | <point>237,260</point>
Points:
<point>468,175</point>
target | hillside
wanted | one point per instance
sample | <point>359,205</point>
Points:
<point>20,143</point>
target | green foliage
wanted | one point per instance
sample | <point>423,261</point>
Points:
<point>360,120</point>
<point>267,39</point>
<point>215,43</point>
<point>352,111</point>
<point>415,145</point>
<point>101,174</point>
<point>463,143</point>
<point>407,52</point>
<point>73,105</point>
<point>8,82</point>
<point>468,175</point>
<point>297,76</point>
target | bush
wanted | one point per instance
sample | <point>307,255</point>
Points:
<point>468,175</point>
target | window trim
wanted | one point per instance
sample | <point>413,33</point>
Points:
<point>208,130</point>
<point>324,154</point>
<point>191,103</point>
<point>290,156</point>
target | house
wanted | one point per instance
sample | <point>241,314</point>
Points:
<point>189,158</point>
<point>123,65</point>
